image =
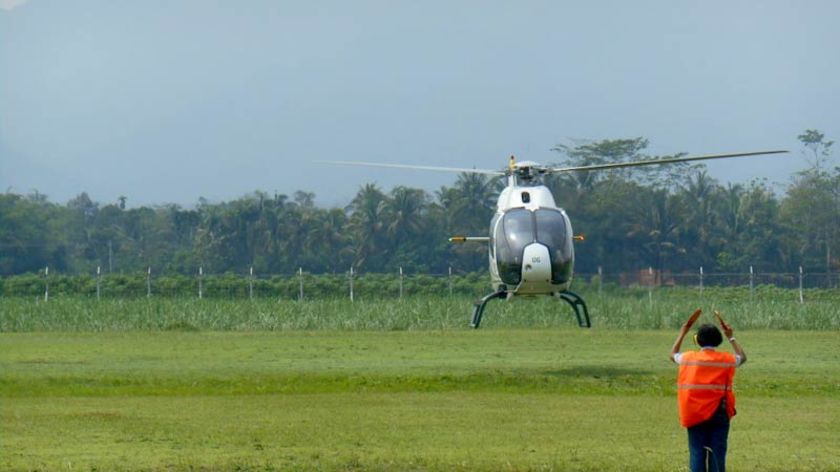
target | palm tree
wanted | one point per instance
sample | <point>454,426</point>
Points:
<point>467,208</point>
<point>474,202</point>
<point>328,241</point>
<point>404,211</point>
<point>657,223</point>
<point>367,227</point>
<point>728,225</point>
<point>698,193</point>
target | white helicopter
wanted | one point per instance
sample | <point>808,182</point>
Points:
<point>531,243</point>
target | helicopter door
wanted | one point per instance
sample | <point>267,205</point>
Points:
<point>553,229</point>
<point>512,234</point>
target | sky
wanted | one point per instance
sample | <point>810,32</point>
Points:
<point>169,101</point>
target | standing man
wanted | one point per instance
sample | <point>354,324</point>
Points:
<point>704,392</point>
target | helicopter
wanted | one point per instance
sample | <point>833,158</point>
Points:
<point>530,244</point>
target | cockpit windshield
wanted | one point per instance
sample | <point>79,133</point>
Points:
<point>552,232</point>
<point>512,234</point>
<point>519,228</point>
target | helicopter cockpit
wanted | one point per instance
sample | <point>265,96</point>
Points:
<point>518,228</point>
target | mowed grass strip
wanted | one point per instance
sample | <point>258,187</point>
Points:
<point>610,362</point>
<point>402,431</point>
<point>496,399</point>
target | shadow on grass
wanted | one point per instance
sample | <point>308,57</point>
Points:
<point>576,379</point>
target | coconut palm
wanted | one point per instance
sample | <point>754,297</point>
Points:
<point>367,227</point>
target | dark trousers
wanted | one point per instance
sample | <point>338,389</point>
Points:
<point>707,443</point>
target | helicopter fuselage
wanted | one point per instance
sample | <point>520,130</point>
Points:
<point>531,249</point>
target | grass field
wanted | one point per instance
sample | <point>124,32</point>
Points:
<point>771,308</point>
<point>502,398</point>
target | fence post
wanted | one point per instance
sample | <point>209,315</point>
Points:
<point>251,283</point>
<point>401,283</point>
<point>801,298</point>
<point>200,277</point>
<point>600,279</point>
<point>300,283</point>
<point>752,284</point>
<point>701,280</point>
<point>149,283</point>
<point>450,281</point>
<point>98,281</point>
<point>650,286</point>
<point>351,283</point>
<point>46,283</point>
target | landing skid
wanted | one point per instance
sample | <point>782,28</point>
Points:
<point>577,303</point>
<point>573,299</point>
<point>478,310</point>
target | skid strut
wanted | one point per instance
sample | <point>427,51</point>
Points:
<point>577,303</point>
<point>478,310</point>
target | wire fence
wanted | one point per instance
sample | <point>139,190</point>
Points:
<point>398,284</point>
<point>701,279</point>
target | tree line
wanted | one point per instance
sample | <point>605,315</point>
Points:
<point>672,218</point>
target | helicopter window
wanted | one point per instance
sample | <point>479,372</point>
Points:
<point>553,232</point>
<point>511,236</point>
<point>493,235</point>
<point>551,228</point>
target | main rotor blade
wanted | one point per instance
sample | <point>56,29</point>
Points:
<point>651,162</point>
<point>404,166</point>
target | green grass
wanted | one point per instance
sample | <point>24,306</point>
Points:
<point>632,309</point>
<point>455,399</point>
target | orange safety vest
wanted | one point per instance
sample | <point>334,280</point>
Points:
<point>705,379</point>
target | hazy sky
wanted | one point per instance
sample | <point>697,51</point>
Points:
<point>168,101</point>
